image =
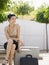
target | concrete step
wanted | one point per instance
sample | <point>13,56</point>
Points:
<point>2,56</point>
<point>2,51</point>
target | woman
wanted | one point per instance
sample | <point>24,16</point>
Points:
<point>12,32</point>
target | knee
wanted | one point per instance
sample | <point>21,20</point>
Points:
<point>10,41</point>
<point>10,60</point>
<point>13,46</point>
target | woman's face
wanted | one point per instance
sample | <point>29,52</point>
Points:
<point>12,20</point>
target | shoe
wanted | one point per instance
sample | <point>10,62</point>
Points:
<point>3,64</point>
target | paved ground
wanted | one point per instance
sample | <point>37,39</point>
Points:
<point>7,64</point>
<point>43,61</point>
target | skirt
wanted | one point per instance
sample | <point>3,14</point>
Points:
<point>14,42</point>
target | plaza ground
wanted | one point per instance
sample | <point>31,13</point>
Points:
<point>43,61</point>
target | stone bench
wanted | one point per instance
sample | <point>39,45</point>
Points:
<point>34,51</point>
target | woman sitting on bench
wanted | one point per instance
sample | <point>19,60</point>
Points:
<point>12,32</point>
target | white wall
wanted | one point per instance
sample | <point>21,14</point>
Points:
<point>32,33</point>
<point>48,35</point>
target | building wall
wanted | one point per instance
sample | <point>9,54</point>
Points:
<point>31,33</point>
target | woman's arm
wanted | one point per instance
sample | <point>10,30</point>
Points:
<point>6,33</point>
<point>20,41</point>
<point>18,33</point>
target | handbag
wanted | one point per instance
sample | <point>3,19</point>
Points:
<point>28,60</point>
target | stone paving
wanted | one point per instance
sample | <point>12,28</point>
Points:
<point>43,61</point>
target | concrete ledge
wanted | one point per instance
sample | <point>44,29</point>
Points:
<point>34,51</point>
<point>2,51</point>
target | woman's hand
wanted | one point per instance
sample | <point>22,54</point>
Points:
<point>10,40</point>
<point>22,44</point>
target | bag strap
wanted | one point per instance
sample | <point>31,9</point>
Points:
<point>29,56</point>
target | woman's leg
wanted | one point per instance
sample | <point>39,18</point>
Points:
<point>12,54</point>
<point>19,49</point>
<point>9,45</point>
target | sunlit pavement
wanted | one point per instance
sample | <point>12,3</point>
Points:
<point>7,64</point>
<point>43,61</point>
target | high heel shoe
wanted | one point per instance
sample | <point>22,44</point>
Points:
<point>5,64</point>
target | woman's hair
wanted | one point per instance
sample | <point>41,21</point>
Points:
<point>10,15</point>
